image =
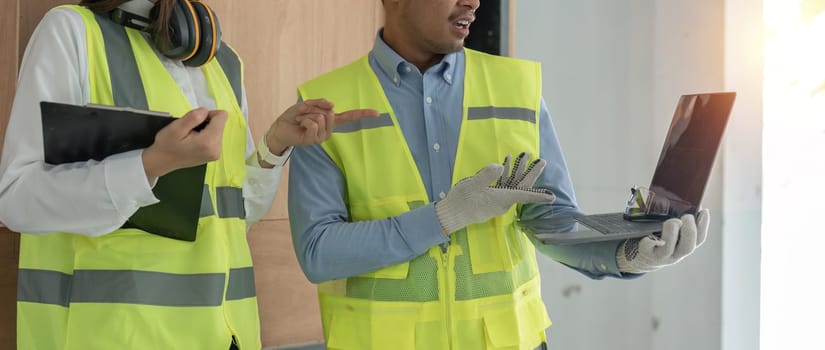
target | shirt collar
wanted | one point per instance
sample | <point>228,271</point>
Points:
<point>393,65</point>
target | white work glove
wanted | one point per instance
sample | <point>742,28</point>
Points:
<point>680,237</point>
<point>474,200</point>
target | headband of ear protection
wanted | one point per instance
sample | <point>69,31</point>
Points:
<point>194,31</point>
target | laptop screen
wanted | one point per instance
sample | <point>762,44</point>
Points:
<point>689,152</point>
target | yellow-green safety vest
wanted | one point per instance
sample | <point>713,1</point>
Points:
<point>130,289</point>
<point>483,291</point>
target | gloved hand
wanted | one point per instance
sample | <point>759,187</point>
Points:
<point>680,237</point>
<point>474,200</point>
<point>522,176</point>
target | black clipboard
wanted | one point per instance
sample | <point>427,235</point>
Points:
<point>73,133</point>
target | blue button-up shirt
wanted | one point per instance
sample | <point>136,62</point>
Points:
<point>428,106</point>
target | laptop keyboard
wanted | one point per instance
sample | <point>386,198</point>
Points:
<point>612,223</point>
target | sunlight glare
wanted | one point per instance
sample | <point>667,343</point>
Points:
<point>794,174</point>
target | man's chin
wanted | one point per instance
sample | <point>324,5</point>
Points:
<point>452,47</point>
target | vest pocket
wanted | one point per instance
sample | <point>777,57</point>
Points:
<point>519,328</point>
<point>493,245</point>
<point>351,329</point>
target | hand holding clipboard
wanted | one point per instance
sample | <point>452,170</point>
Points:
<point>79,133</point>
<point>194,139</point>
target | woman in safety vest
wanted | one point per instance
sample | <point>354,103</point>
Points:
<point>90,276</point>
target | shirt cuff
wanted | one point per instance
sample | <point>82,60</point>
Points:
<point>268,157</point>
<point>126,182</point>
<point>604,258</point>
<point>421,229</point>
<point>260,179</point>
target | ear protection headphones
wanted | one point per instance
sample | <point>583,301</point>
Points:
<point>194,31</point>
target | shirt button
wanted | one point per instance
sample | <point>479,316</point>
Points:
<point>603,267</point>
<point>429,100</point>
<point>436,147</point>
<point>448,77</point>
<point>407,69</point>
<point>395,79</point>
<point>442,195</point>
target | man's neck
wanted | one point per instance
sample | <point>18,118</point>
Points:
<point>420,58</point>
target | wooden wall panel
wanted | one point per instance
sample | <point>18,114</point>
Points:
<point>31,11</point>
<point>287,302</point>
<point>8,240</point>
<point>284,43</point>
<point>8,61</point>
<point>9,244</point>
<point>511,28</point>
<point>17,21</point>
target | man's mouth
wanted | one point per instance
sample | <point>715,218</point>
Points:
<point>462,23</point>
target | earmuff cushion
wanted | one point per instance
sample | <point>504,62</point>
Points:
<point>184,32</point>
<point>210,35</point>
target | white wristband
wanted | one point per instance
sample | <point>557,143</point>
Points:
<point>269,157</point>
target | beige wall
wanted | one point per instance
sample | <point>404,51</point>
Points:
<point>283,43</point>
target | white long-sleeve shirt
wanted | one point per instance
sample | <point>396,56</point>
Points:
<point>89,198</point>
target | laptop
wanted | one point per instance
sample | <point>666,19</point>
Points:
<point>678,183</point>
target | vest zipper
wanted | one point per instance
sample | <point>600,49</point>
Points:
<point>445,286</point>
<point>228,268</point>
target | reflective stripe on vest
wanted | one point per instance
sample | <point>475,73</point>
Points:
<point>488,272</point>
<point>229,201</point>
<point>194,294</point>
<point>382,120</point>
<point>233,69</point>
<point>127,87</point>
<point>477,113</point>
<point>132,287</point>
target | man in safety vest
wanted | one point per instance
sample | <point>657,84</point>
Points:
<point>407,221</point>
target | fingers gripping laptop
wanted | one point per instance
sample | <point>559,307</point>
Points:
<point>678,183</point>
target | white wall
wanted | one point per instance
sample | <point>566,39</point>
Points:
<point>613,71</point>
<point>742,177</point>
<point>792,291</point>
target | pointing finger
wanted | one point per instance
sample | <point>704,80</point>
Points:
<point>354,114</point>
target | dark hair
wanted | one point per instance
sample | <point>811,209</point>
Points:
<point>102,6</point>
<point>160,27</point>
